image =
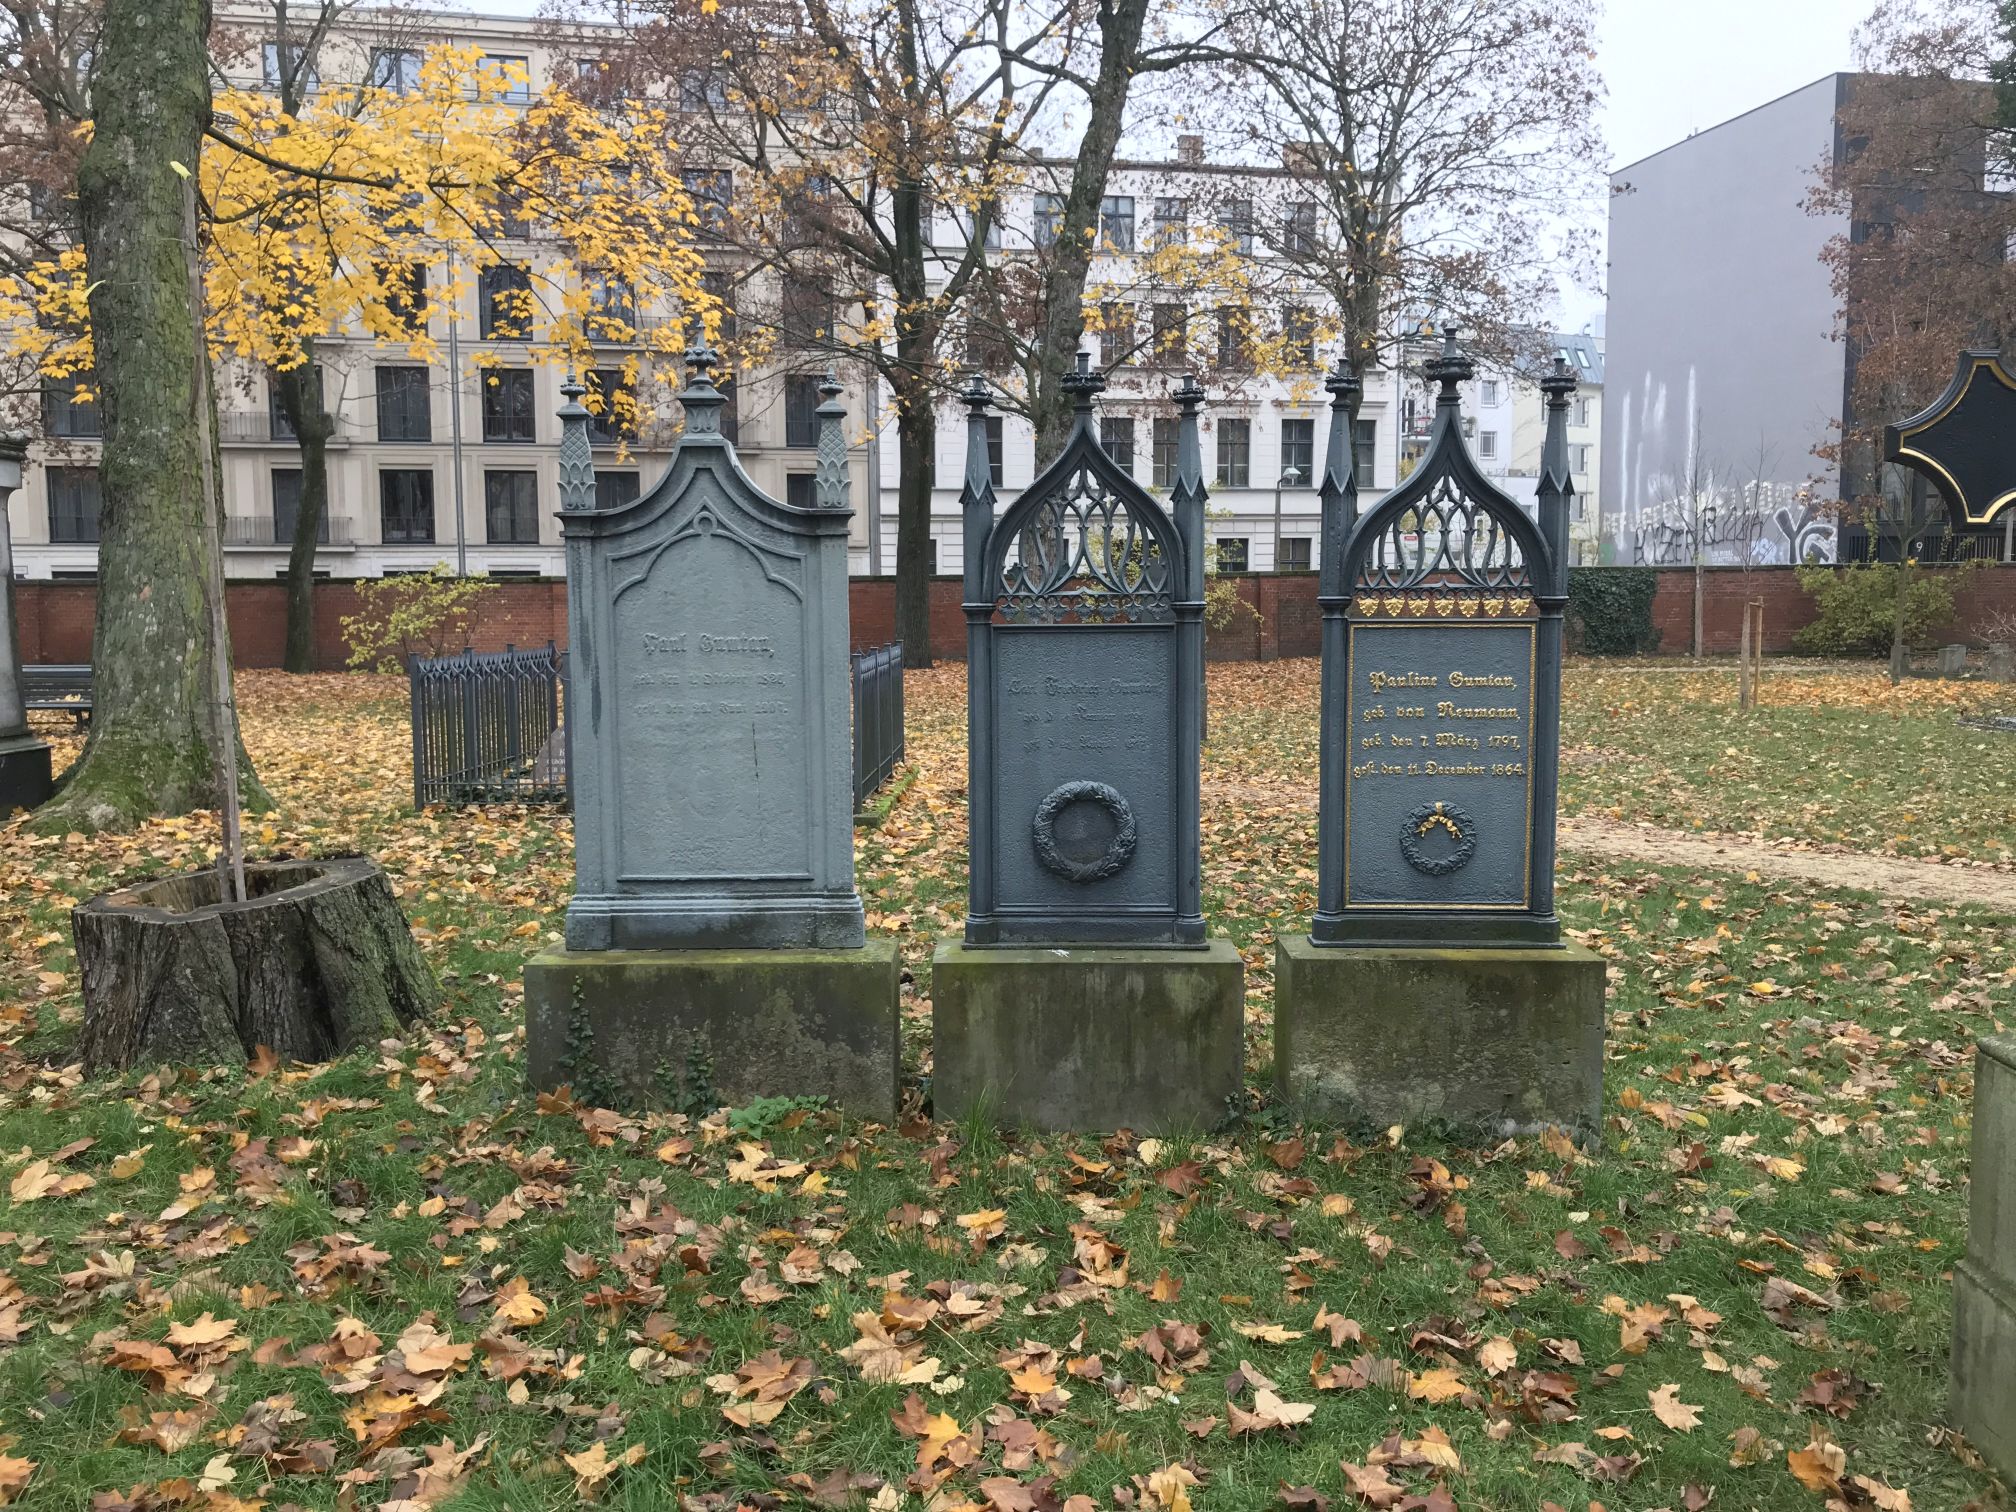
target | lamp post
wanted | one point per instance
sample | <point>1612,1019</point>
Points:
<point>25,779</point>
<point>1288,479</point>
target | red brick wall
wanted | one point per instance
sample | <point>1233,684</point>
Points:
<point>55,618</point>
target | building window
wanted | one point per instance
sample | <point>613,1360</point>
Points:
<point>1162,464</point>
<point>1487,443</point>
<point>1364,452</point>
<point>1298,229</point>
<point>711,190</point>
<point>504,302</point>
<point>1489,391</point>
<point>1582,410</point>
<point>1578,459</point>
<point>801,411</point>
<point>1294,554</point>
<point>406,506</point>
<point>511,76</point>
<point>1116,434</point>
<point>64,414</point>
<point>719,285</point>
<point>1231,553</point>
<point>997,447</point>
<point>702,89</point>
<point>1235,453</point>
<point>396,69</point>
<point>800,490</point>
<point>507,405</point>
<point>1231,338</point>
<point>615,489</point>
<point>805,311</point>
<point>1116,333</point>
<point>608,399</point>
<point>73,505</point>
<point>270,55</point>
<point>1047,220</point>
<point>1298,334</point>
<point>1116,222</point>
<point>1170,330</point>
<point>1298,450</point>
<point>731,410</point>
<point>511,507</point>
<point>1236,221</point>
<point>612,307</point>
<point>405,285</point>
<point>287,508</point>
<point>278,426</point>
<point>1172,222</point>
<point>403,408</point>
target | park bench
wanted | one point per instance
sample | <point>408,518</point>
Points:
<point>58,689</point>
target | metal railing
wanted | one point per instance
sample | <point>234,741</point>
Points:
<point>265,530</point>
<point>488,727</point>
<point>262,428</point>
<point>878,719</point>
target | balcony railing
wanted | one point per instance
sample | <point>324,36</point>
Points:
<point>254,428</point>
<point>256,532</point>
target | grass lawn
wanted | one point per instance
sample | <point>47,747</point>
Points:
<point>400,1278</point>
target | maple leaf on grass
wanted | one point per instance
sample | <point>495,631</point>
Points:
<point>1670,1410</point>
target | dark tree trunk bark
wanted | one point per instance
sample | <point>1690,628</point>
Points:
<point>150,749</point>
<point>916,454</point>
<point>318,961</point>
<point>300,399</point>
<point>1070,263</point>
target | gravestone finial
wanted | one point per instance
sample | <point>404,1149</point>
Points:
<point>1187,498</point>
<point>1450,369</point>
<point>830,484</point>
<point>1556,491</point>
<point>1082,383</point>
<point>577,457</point>
<point>702,400</point>
<point>976,497</point>
<point>1339,491</point>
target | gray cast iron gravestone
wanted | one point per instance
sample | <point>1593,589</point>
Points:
<point>1434,985</point>
<point>714,944</point>
<point>1085,993</point>
<point>1983,1394</point>
<point>25,772</point>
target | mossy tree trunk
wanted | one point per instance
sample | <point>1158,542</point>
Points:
<point>150,750</point>
<point>299,394</point>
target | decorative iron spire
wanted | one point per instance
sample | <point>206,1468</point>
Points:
<point>831,487</point>
<point>1340,477</point>
<point>700,397</point>
<point>1556,492</point>
<point>976,499</point>
<point>1187,498</point>
<point>1450,369</point>
<point>577,457</point>
<point>1082,384</point>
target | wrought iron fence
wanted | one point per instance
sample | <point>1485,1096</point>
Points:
<point>878,719</point>
<point>488,727</point>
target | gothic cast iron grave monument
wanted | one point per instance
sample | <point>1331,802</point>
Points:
<point>714,943</point>
<point>1434,984</point>
<point>1085,994</point>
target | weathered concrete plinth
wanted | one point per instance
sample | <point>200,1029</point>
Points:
<point>1488,1042</point>
<point>1984,1284</point>
<point>1085,1038</point>
<point>654,1026</point>
<point>26,780</point>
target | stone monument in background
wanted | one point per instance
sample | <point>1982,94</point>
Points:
<point>1983,1392</point>
<point>1434,984</point>
<point>25,771</point>
<point>1085,994</point>
<point>714,944</point>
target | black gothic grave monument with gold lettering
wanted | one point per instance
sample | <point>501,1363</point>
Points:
<point>1434,984</point>
<point>714,944</point>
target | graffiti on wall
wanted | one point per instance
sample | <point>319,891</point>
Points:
<point>1755,524</point>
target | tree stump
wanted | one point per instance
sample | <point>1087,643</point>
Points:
<point>317,960</point>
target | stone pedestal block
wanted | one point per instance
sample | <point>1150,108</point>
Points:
<point>655,1027</point>
<point>25,778</point>
<point>1088,1038</point>
<point>1486,1042</point>
<point>1984,1284</point>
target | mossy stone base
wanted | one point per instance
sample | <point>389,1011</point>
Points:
<point>1485,1042</point>
<point>1984,1284</point>
<point>1080,1038</point>
<point>25,777</point>
<point>648,1028</point>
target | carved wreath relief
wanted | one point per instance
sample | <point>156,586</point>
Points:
<point>1438,838</point>
<point>1084,832</point>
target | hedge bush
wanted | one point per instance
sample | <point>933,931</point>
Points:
<point>1857,607</point>
<point>1610,610</point>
